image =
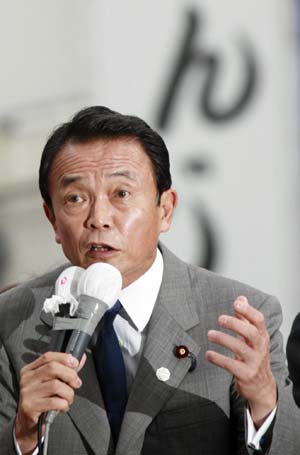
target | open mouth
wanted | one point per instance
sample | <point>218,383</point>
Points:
<point>100,247</point>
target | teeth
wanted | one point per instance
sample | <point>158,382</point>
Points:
<point>100,248</point>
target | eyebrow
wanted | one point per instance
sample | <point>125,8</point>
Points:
<point>69,179</point>
<point>124,173</point>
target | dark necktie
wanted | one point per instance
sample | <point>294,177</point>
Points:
<point>111,371</point>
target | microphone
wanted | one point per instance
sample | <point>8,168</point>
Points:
<point>63,302</point>
<point>98,289</point>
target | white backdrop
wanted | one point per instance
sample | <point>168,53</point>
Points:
<point>233,140</point>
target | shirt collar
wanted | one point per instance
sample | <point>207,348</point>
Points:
<point>138,299</point>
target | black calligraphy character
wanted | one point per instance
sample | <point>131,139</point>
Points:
<point>210,64</point>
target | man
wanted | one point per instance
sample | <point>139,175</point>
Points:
<point>107,192</point>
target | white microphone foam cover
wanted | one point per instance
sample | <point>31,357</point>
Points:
<point>101,281</point>
<point>67,282</point>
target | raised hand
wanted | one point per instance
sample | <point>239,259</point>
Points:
<point>250,344</point>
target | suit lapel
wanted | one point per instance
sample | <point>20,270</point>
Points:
<point>174,314</point>
<point>87,410</point>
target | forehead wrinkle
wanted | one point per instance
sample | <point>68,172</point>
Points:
<point>125,173</point>
<point>102,160</point>
<point>69,179</point>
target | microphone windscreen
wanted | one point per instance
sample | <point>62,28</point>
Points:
<point>101,281</point>
<point>67,282</point>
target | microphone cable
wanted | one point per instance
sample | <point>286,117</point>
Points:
<point>46,439</point>
<point>40,434</point>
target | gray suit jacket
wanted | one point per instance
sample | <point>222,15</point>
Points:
<point>195,412</point>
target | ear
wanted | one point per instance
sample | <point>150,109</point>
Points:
<point>51,217</point>
<point>168,202</point>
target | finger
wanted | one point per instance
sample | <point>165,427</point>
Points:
<point>235,367</point>
<point>46,390</point>
<point>242,328</point>
<point>66,359</point>
<point>48,371</point>
<point>244,309</point>
<point>242,318</point>
<point>234,344</point>
<point>82,362</point>
<point>57,388</point>
<point>53,403</point>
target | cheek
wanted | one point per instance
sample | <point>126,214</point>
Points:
<point>69,239</point>
<point>132,220</point>
<point>68,232</point>
<point>140,223</point>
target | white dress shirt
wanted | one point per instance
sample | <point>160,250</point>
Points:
<point>138,300</point>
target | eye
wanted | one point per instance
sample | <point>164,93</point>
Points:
<point>122,193</point>
<point>74,198</point>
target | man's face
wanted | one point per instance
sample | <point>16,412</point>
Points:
<point>104,199</point>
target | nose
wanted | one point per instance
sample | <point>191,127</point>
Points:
<point>100,215</point>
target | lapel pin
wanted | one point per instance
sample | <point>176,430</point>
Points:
<point>181,352</point>
<point>163,374</point>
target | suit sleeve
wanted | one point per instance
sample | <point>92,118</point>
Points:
<point>285,437</point>
<point>8,402</point>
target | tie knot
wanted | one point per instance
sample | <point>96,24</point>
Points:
<point>109,316</point>
<point>115,309</point>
